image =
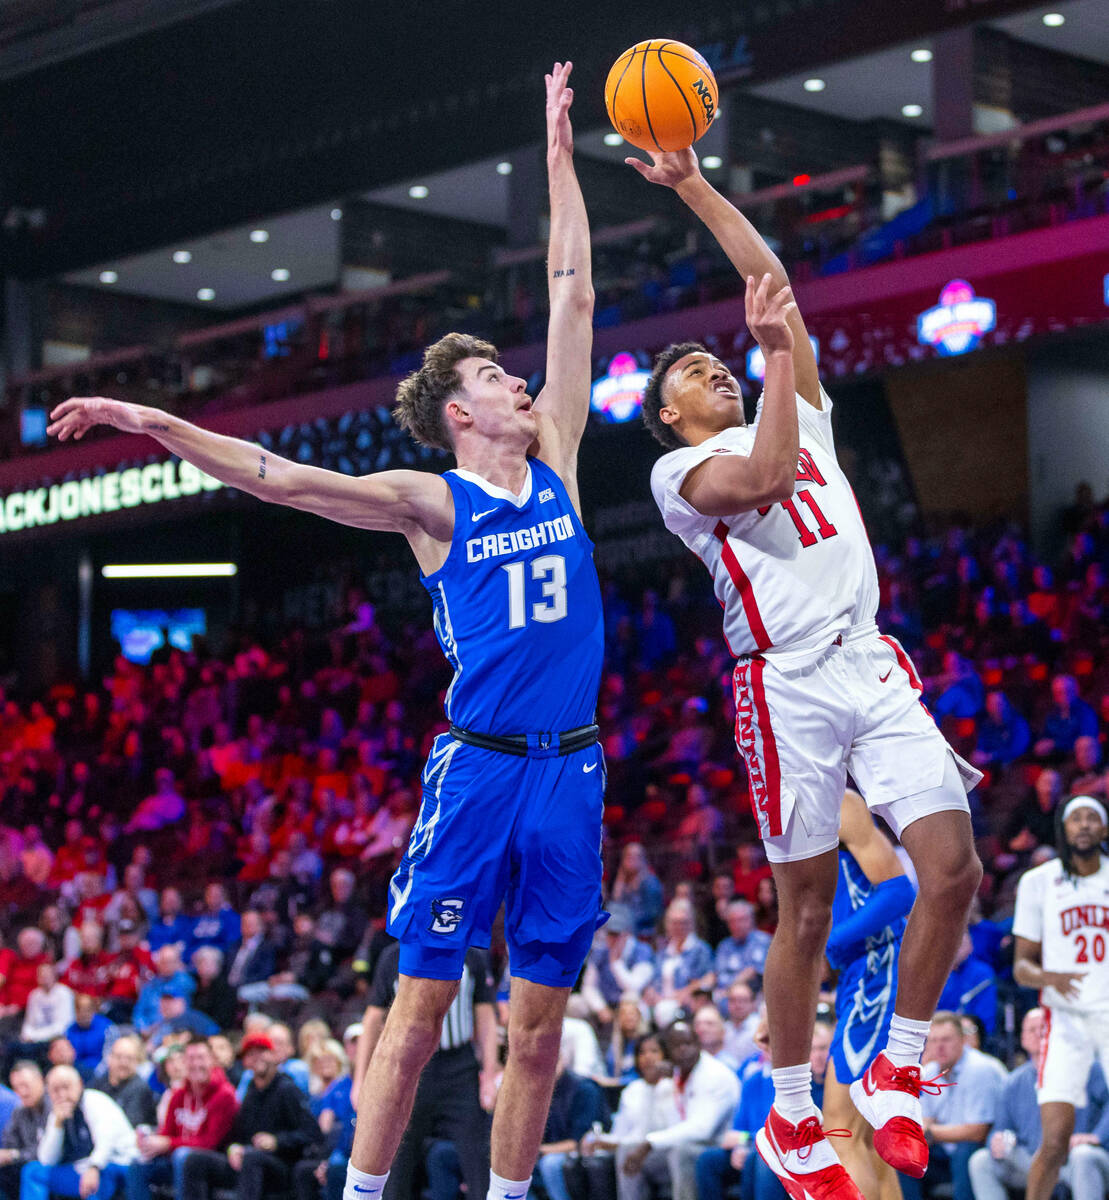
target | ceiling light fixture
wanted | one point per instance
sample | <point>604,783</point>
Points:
<point>814,85</point>
<point>259,235</point>
<point>712,161</point>
<point>922,55</point>
<point>1054,20</point>
<point>417,191</point>
<point>108,276</point>
<point>206,294</point>
<point>613,139</point>
<point>195,570</point>
<point>182,256</point>
<point>911,110</point>
<point>279,274</point>
<point>504,168</point>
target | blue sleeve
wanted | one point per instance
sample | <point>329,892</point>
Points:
<point>1022,739</point>
<point>981,999</point>
<point>890,900</point>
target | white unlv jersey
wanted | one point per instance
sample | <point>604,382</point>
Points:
<point>790,577</point>
<point>1070,920</point>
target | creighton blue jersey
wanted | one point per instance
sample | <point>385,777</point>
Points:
<point>867,987</point>
<point>518,608</point>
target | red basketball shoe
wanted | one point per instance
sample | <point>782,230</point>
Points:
<point>803,1160</point>
<point>889,1098</point>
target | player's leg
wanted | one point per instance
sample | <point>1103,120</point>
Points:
<point>1057,1120</point>
<point>856,1152</point>
<point>534,1040</point>
<point>410,1037</point>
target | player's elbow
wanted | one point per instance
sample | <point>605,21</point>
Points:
<point>778,482</point>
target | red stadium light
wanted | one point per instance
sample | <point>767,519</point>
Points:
<point>801,180</point>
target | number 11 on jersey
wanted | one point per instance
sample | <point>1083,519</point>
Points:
<point>550,570</point>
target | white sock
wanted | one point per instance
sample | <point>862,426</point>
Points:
<point>793,1092</point>
<point>505,1189</point>
<point>361,1185</point>
<point>906,1041</point>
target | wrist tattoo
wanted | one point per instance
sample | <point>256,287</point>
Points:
<point>261,466</point>
<point>152,428</point>
<point>561,272</point>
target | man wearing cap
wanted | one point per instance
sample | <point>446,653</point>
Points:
<point>1061,926</point>
<point>169,972</point>
<point>270,1133</point>
<point>621,963</point>
<point>176,1016</point>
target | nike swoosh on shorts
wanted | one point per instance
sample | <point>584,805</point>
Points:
<point>586,769</point>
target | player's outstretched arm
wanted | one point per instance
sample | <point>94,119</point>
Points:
<point>740,241</point>
<point>726,484</point>
<point>563,404</point>
<point>394,501</point>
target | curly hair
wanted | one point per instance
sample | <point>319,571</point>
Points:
<point>652,394</point>
<point>422,396</point>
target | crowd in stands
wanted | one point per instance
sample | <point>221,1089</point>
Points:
<point>194,856</point>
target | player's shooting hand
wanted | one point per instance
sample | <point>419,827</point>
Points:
<point>74,418</point>
<point>767,315</point>
<point>1064,982</point>
<point>668,168</point>
<point>560,134</point>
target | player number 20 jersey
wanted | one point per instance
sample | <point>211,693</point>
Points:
<point>790,576</point>
<point>1070,920</point>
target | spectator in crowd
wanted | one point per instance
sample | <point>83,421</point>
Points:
<point>177,1016</point>
<point>1068,719</point>
<point>122,1082</point>
<point>971,987</point>
<point>199,1116</point>
<point>171,926</point>
<point>742,1022</point>
<point>647,1102</point>
<point>637,889</point>
<point>217,924</point>
<point>956,1118</point>
<point>1003,734</point>
<point>21,1134</point>
<point>577,1104</point>
<point>743,951</point>
<point>961,693</point>
<point>255,958</point>
<point>214,996</point>
<point>269,1134</point>
<point>48,1015</point>
<point>281,1041</point>
<point>88,972</point>
<point>722,893</point>
<point>620,964</point>
<point>333,1109</point>
<point>579,1040</point>
<point>85,1037</point>
<point>684,965</point>
<point>1034,825</point>
<point>1084,776</point>
<point>163,807</point>
<point>9,1102</point>
<point>86,1147</point>
<point>711,1033</point>
<point>710,1092</point>
<point>169,974</point>
<point>134,890</point>
<point>628,1030</point>
<point>128,970</point>
<point>19,976</point>
<point>341,921</point>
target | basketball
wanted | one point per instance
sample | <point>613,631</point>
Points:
<point>661,95</point>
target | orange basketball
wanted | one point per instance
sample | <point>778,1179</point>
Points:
<point>661,95</point>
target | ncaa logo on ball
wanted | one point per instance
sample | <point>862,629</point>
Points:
<point>702,92</point>
<point>446,914</point>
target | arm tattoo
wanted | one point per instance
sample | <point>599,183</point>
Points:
<point>157,428</point>
<point>261,466</point>
<point>563,271</point>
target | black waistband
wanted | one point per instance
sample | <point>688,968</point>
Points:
<point>524,744</point>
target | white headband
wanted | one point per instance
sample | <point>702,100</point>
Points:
<point>1078,802</point>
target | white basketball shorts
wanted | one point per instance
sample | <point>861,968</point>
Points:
<point>1068,1045</point>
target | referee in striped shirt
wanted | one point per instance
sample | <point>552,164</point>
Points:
<point>458,1087</point>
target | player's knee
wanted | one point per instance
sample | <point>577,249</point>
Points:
<point>1054,1148</point>
<point>812,921</point>
<point>952,881</point>
<point>535,1048</point>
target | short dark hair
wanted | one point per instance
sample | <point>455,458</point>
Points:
<point>652,394</point>
<point>421,397</point>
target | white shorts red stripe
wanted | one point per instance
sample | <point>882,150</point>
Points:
<point>1070,1043</point>
<point>1045,1039</point>
<point>754,737</point>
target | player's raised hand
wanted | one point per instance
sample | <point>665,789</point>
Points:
<point>74,418</point>
<point>768,315</point>
<point>560,134</point>
<point>668,168</point>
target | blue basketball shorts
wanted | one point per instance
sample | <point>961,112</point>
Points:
<point>495,827</point>
<point>865,995</point>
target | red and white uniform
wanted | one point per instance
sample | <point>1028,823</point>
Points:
<point>818,690</point>
<point>1070,920</point>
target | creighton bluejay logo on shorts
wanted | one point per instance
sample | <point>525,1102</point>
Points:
<point>446,915</point>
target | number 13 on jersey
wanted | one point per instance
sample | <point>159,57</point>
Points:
<point>549,570</point>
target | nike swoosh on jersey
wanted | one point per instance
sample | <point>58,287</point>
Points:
<point>586,769</point>
<point>883,678</point>
<point>485,513</point>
